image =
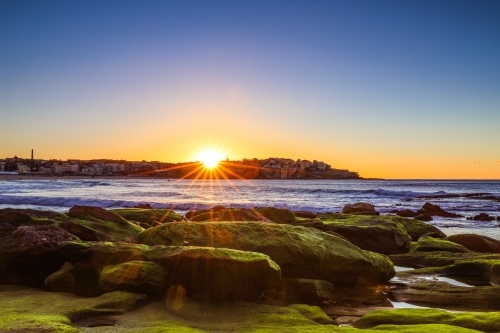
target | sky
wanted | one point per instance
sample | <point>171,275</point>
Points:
<point>391,89</point>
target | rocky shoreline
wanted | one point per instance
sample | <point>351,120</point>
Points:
<point>234,269</point>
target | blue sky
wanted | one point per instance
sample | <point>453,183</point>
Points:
<point>387,88</point>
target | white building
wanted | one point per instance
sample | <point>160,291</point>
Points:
<point>58,168</point>
<point>22,168</point>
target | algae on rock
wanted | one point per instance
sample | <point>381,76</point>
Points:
<point>300,252</point>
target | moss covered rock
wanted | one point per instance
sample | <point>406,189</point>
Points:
<point>427,244</point>
<point>31,253</point>
<point>148,216</point>
<point>483,322</point>
<point>300,252</point>
<point>308,291</point>
<point>91,228</point>
<point>277,215</point>
<point>137,276</point>
<point>381,234</point>
<point>218,273</point>
<point>418,228</point>
<point>241,214</point>
<point>437,258</point>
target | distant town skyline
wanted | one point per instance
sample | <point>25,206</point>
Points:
<point>391,89</point>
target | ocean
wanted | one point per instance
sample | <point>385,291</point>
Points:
<point>464,197</point>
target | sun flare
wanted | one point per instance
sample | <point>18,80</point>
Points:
<point>210,158</point>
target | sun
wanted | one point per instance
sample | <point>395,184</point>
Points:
<point>210,158</point>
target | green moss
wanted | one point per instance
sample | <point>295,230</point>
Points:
<point>110,231</point>
<point>435,328</point>
<point>313,313</point>
<point>36,323</point>
<point>300,252</point>
<point>481,321</point>
<point>148,216</point>
<point>427,244</point>
<point>381,234</point>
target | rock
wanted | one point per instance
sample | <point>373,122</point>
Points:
<point>214,210</point>
<point>308,291</point>
<point>15,218</point>
<point>241,214</point>
<point>84,212</point>
<point>417,229</point>
<point>81,278</point>
<point>482,217</point>
<point>86,223</point>
<point>360,208</point>
<point>435,210</point>
<point>305,214</point>
<point>31,253</point>
<point>83,232</point>
<point>143,206</point>
<point>150,216</point>
<point>476,243</point>
<point>405,213</point>
<point>277,215</point>
<point>437,259</point>
<point>427,244</point>
<point>6,229</point>
<point>143,277</point>
<point>445,295</point>
<point>423,217</point>
<point>207,216</point>
<point>304,253</point>
<point>220,274</point>
<point>381,234</point>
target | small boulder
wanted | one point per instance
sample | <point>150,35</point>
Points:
<point>15,218</point>
<point>277,215</point>
<point>428,244</point>
<point>83,212</point>
<point>435,210</point>
<point>360,208</point>
<point>477,243</point>
<point>381,234</point>
<point>81,278</point>
<point>143,277</point>
<point>241,214</point>
<point>308,291</point>
<point>405,213</point>
<point>482,217</point>
<point>84,233</point>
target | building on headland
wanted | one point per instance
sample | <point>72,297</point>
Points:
<point>270,168</point>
